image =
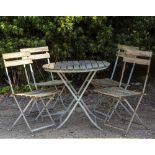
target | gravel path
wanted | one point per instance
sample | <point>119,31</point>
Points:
<point>78,125</point>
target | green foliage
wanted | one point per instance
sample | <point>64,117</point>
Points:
<point>17,88</point>
<point>5,90</point>
<point>67,37</point>
<point>75,37</point>
<point>137,31</point>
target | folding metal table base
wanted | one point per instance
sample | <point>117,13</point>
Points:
<point>77,100</point>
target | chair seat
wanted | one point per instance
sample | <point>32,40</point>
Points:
<point>49,83</point>
<point>104,82</point>
<point>39,93</point>
<point>116,92</point>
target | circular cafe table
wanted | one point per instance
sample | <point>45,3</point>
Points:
<point>84,66</point>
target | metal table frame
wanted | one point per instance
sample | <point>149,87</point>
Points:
<point>77,95</point>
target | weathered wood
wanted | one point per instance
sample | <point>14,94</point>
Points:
<point>39,93</point>
<point>17,62</point>
<point>15,55</point>
<point>120,53</point>
<point>88,64</point>
<point>64,65</point>
<point>94,64</point>
<point>70,65</point>
<point>35,49</point>
<point>76,65</point>
<point>104,83</point>
<point>82,64</point>
<point>125,47</point>
<point>40,56</point>
<point>50,83</point>
<point>139,61</point>
<point>50,66</point>
<point>139,53</point>
<point>57,66</point>
<point>130,50</point>
<point>100,63</point>
<point>116,92</point>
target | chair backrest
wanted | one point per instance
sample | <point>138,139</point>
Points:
<point>122,52</point>
<point>38,53</point>
<point>119,54</point>
<point>137,58</point>
<point>16,59</point>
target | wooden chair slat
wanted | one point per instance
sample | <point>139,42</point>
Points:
<point>39,93</point>
<point>116,92</point>
<point>49,83</point>
<point>139,53</point>
<point>35,49</point>
<point>139,61</point>
<point>17,63</point>
<point>15,55</point>
<point>120,53</point>
<point>40,56</point>
<point>125,47</point>
<point>130,50</point>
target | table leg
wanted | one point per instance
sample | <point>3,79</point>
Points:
<point>78,96</point>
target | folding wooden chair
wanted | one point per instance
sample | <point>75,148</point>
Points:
<point>22,59</point>
<point>40,53</point>
<point>120,94</point>
<point>110,82</point>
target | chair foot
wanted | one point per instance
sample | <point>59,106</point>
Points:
<point>147,128</point>
<point>33,135</point>
<point>124,135</point>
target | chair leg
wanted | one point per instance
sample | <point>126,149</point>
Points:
<point>22,114</point>
<point>24,117</point>
<point>45,108</point>
<point>125,108</point>
<point>134,114</point>
<point>30,110</point>
<point>60,97</point>
<point>113,110</point>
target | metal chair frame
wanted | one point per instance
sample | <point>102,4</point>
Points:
<point>120,54</point>
<point>140,58</point>
<point>12,60</point>
<point>40,53</point>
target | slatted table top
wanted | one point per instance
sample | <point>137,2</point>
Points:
<point>76,66</point>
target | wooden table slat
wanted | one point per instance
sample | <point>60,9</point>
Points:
<point>70,65</point>
<point>64,65</point>
<point>82,64</point>
<point>94,64</point>
<point>100,64</point>
<point>88,64</point>
<point>76,65</point>
<point>57,65</point>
